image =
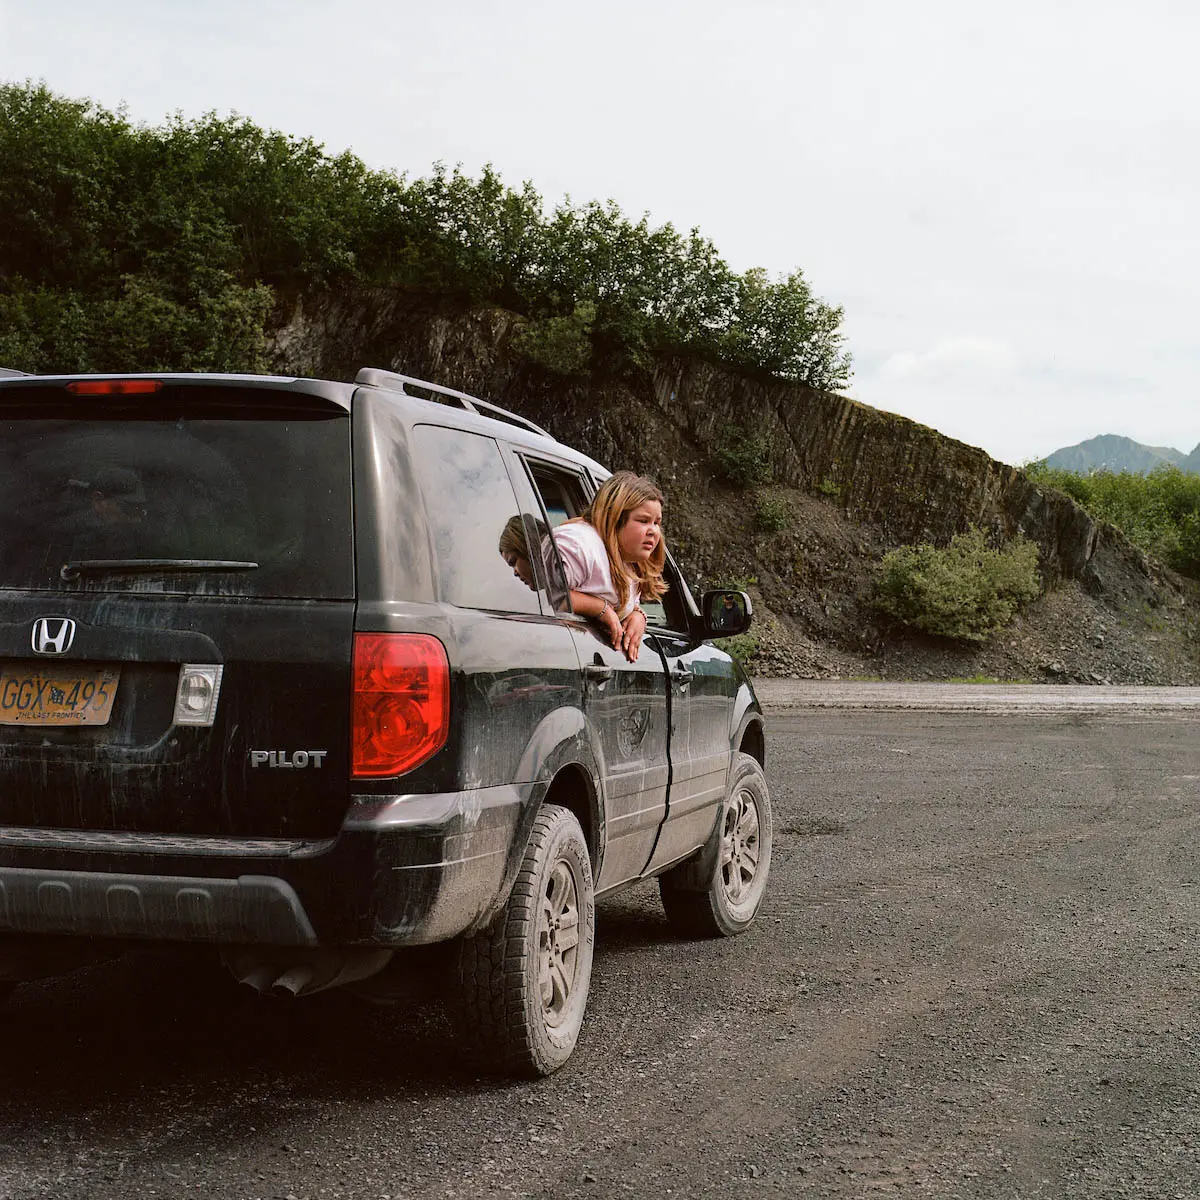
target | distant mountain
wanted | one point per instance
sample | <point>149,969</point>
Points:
<point>1111,452</point>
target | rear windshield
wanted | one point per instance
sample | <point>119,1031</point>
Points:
<point>181,479</point>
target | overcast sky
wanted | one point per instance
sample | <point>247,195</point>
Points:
<point>1005,198</point>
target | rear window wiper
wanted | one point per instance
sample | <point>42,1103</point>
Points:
<point>134,566</point>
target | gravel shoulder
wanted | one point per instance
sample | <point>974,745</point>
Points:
<point>975,976</point>
<point>784,694</point>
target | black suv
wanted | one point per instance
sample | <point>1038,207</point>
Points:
<point>267,684</point>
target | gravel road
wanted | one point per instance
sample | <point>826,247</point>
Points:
<point>970,697</point>
<point>975,976</point>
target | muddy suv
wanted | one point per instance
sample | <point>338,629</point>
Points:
<point>268,685</point>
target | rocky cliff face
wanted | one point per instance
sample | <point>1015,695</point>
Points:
<point>854,480</point>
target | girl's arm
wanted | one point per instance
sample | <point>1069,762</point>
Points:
<point>600,609</point>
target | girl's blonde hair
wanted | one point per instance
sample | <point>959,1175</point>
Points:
<point>618,496</point>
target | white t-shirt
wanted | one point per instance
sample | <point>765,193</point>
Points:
<point>585,561</point>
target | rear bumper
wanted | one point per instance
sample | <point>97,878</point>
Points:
<point>404,870</point>
<point>250,908</point>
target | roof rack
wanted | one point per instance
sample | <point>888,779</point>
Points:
<point>376,377</point>
<point>10,373</point>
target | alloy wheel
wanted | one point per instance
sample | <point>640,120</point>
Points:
<point>740,846</point>
<point>558,943</point>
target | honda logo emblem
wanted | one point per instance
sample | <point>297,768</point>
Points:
<point>53,635</point>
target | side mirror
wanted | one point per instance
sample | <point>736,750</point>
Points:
<point>726,613</point>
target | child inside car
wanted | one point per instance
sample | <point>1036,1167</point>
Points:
<point>613,557</point>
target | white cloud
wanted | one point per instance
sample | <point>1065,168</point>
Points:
<point>957,357</point>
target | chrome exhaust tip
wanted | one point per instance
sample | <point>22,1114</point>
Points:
<point>291,983</point>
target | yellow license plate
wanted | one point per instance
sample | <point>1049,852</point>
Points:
<point>67,695</point>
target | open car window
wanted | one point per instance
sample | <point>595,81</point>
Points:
<point>676,608</point>
<point>562,495</point>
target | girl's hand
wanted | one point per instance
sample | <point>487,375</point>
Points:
<point>632,629</point>
<point>609,619</point>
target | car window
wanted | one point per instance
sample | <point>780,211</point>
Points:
<point>473,514</point>
<point>564,494</point>
<point>670,612</point>
<point>656,613</point>
<point>212,474</point>
<point>561,494</point>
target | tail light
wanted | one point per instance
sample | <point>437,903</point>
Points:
<point>401,706</point>
<point>114,387</point>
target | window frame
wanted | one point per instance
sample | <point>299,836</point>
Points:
<point>689,612</point>
<point>530,461</point>
<point>677,585</point>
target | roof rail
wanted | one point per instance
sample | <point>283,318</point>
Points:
<point>376,377</point>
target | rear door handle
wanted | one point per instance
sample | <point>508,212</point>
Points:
<point>682,676</point>
<point>598,672</point>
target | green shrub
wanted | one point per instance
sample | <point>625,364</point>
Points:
<point>1160,512</point>
<point>144,326</point>
<point>743,458</point>
<point>560,344</point>
<point>1187,551</point>
<point>734,583</point>
<point>771,513</point>
<point>963,591</point>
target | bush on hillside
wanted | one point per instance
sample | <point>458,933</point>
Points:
<point>562,345</point>
<point>742,457</point>
<point>964,591</point>
<point>771,513</point>
<point>1160,512</point>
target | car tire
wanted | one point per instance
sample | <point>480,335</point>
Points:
<point>718,893</point>
<point>523,981</point>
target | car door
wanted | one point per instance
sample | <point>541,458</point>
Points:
<point>702,687</point>
<point>624,703</point>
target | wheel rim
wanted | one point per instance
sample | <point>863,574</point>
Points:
<point>740,847</point>
<point>558,943</point>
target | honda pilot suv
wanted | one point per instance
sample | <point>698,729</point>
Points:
<point>268,685</point>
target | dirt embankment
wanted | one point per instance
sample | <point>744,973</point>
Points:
<point>853,482</point>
